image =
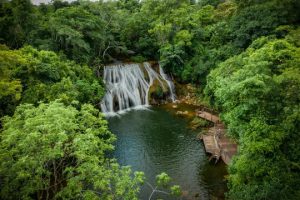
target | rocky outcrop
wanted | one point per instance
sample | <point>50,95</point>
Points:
<point>158,93</point>
<point>187,93</point>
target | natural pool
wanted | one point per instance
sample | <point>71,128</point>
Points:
<point>157,140</point>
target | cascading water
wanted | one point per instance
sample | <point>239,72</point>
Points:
<point>169,82</point>
<point>128,85</point>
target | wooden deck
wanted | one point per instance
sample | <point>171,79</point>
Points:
<point>208,116</point>
<point>215,141</point>
<point>211,146</point>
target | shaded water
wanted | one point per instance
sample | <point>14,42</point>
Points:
<point>159,141</point>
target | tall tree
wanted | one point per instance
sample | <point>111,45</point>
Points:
<point>57,152</point>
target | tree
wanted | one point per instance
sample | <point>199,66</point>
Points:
<point>17,20</point>
<point>257,94</point>
<point>43,69</point>
<point>30,76</point>
<point>162,181</point>
<point>262,18</point>
<point>55,151</point>
<point>10,88</point>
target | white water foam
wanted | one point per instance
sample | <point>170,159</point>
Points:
<point>128,85</point>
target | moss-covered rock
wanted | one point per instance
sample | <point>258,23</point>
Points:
<point>198,123</point>
<point>158,92</point>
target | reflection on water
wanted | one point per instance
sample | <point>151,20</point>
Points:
<point>158,141</point>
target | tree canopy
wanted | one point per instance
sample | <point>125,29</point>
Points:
<point>242,55</point>
<point>32,76</point>
<point>257,92</point>
<point>55,151</point>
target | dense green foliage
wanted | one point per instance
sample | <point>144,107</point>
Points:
<point>32,76</point>
<point>188,37</point>
<point>245,53</point>
<point>70,162</point>
<point>258,93</point>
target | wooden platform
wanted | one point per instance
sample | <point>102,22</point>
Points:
<point>208,116</point>
<point>215,141</point>
<point>211,146</point>
<point>228,148</point>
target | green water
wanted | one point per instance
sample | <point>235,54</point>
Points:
<point>159,141</point>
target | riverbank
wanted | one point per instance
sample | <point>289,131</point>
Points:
<point>213,131</point>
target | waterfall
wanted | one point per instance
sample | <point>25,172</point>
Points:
<point>128,85</point>
<point>169,82</point>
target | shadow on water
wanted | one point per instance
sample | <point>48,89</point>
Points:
<point>159,141</point>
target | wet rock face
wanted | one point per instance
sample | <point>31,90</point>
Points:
<point>159,93</point>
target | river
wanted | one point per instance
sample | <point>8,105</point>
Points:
<point>157,140</point>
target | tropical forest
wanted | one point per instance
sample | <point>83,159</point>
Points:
<point>150,99</point>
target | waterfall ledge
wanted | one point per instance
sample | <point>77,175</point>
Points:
<point>134,86</point>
